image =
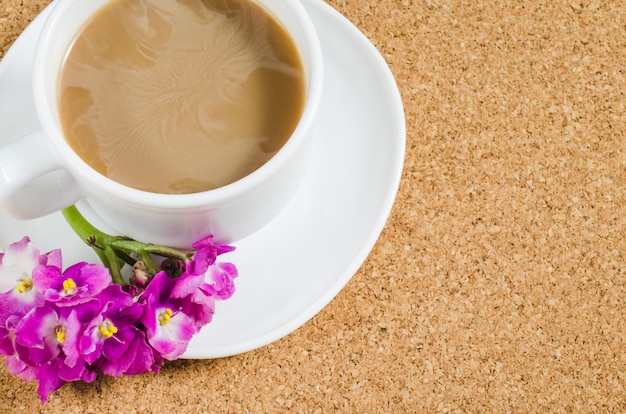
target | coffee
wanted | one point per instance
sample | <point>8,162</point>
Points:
<point>180,96</point>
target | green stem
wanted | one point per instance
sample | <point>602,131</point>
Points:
<point>116,251</point>
<point>81,226</point>
<point>130,245</point>
<point>115,267</point>
<point>149,262</point>
<point>99,241</point>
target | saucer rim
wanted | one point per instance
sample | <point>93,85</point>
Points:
<point>341,25</point>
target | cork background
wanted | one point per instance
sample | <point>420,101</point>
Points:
<point>499,282</point>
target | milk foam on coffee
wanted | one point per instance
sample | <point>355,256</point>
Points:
<point>180,96</point>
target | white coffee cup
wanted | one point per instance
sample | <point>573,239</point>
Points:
<point>41,174</point>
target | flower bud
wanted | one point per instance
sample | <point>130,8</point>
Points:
<point>140,276</point>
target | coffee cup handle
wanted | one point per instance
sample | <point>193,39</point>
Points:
<point>33,182</point>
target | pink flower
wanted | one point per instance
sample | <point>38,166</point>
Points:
<point>79,283</point>
<point>61,326</point>
<point>168,329</point>
<point>17,367</point>
<point>53,374</point>
<point>198,293</point>
<point>40,334</point>
<point>18,294</point>
<point>46,341</point>
<point>112,341</point>
<point>205,255</point>
<point>219,280</point>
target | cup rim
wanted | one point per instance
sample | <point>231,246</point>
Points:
<point>206,199</point>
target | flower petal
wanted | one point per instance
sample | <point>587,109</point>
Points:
<point>47,277</point>
<point>17,264</point>
<point>15,366</point>
<point>49,380</point>
<point>187,285</point>
<point>171,339</point>
<point>16,303</point>
<point>36,333</point>
<point>219,280</point>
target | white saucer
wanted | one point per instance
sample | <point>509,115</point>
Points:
<point>296,265</point>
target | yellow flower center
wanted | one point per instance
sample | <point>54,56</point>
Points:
<point>60,331</point>
<point>165,317</point>
<point>107,329</point>
<point>69,286</point>
<point>24,286</point>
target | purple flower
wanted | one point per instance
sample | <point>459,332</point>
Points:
<point>7,335</point>
<point>195,303</point>
<point>60,326</point>
<point>205,255</point>
<point>18,294</point>
<point>77,284</point>
<point>112,340</point>
<point>49,380</point>
<point>53,374</point>
<point>74,320</point>
<point>205,281</point>
<point>40,334</point>
<point>46,346</point>
<point>46,331</point>
<point>113,301</point>
<point>17,367</point>
<point>129,353</point>
<point>218,280</point>
<point>197,293</point>
<point>8,347</point>
<point>168,329</point>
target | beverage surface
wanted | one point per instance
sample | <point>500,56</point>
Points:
<point>180,96</point>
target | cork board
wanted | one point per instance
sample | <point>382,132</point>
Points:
<point>499,281</point>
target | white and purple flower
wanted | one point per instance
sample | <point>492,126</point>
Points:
<point>79,283</point>
<point>58,326</point>
<point>18,294</point>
